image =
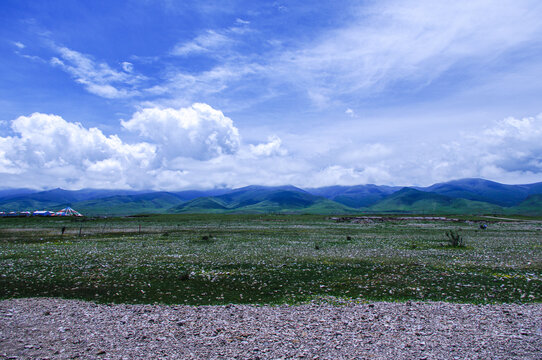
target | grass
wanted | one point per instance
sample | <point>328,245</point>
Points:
<point>271,259</point>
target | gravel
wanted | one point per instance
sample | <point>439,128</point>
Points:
<point>49,328</point>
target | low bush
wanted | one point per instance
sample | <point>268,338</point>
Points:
<point>455,239</point>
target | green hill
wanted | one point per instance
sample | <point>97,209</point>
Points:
<point>200,205</point>
<point>260,199</point>
<point>156,202</point>
<point>357,196</point>
<point>410,200</point>
<point>465,196</point>
<point>29,204</point>
<point>54,199</point>
<point>531,206</point>
<point>485,190</point>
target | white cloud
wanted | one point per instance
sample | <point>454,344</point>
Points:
<point>18,44</point>
<point>199,147</point>
<point>241,21</point>
<point>98,78</point>
<point>47,150</point>
<point>219,84</point>
<point>206,42</point>
<point>412,41</point>
<point>336,174</point>
<point>509,150</point>
<point>217,43</point>
<point>199,131</point>
<point>271,148</point>
<point>513,144</point>
<point>127,66</point>
<point>382,44</point>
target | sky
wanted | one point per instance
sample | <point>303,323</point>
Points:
<point>173,95</point>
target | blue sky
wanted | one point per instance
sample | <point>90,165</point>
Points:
<point>194,94</point>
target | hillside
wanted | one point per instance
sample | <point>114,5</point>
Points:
<point>531,206</point>
<point>485,190</point>
<point>454,197</point>
<point>200,205</point>
<point>156,202</point>
<point>53,199</point>
<point>409,200</point>
<point>355,196</point>
<point>259,199</point>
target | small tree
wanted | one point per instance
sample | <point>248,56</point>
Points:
<point>455,239</point>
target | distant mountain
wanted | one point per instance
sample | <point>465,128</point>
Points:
<point>355,196</point>
<point>253,194</point>
<point>485,190</point>
<point>465,196</point>
<point>154,202</point>
<point>194,194</point>
<point>56,198</point>
<point>261,199</point>
<point>200,205</point>
<point>7,193</point>
<point>409,200</point>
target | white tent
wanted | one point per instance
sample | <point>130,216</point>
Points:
<point>68,211</point>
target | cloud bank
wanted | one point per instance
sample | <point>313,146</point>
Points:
<point>199,147</point>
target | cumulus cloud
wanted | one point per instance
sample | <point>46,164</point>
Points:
<point>199,147</point>
<point>98,78</point>
<point>509,150</point>
<point>271,148</point>
<point>337,174</point>
<point>513,144</point>
<point>199,131</point>
<point>47,146</point>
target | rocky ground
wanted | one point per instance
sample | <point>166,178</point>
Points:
<point>66,329</point>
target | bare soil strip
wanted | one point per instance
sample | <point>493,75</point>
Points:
<point>49,328</point>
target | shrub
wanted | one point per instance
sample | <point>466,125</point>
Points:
<point>183,276</point>
<point>455,239</point>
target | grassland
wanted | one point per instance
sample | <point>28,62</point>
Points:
<point>268,259</point>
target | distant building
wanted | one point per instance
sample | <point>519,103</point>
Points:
<point>68,211</point>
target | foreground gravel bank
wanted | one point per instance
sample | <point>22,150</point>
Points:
<point>68,329</point>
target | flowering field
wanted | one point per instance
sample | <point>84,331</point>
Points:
<point>218,259</point>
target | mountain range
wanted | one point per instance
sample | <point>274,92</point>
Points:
<point>465,196</point>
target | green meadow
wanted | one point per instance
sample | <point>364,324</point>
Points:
<point>269,259</point>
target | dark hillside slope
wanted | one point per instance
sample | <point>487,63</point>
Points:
<point>52,199</point>
<point>254,194</point>
<point>201,205</point>
<point>410,200</point>
<point>485,190</point>
<point>9,193</point>
<point>155,202</point>
<point>355,196</point>
<point>257,199</point>
<point>531,206</point>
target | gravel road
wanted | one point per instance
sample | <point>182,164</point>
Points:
<point>48,328</point>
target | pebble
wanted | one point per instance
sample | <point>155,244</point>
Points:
<point>412,330</point>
